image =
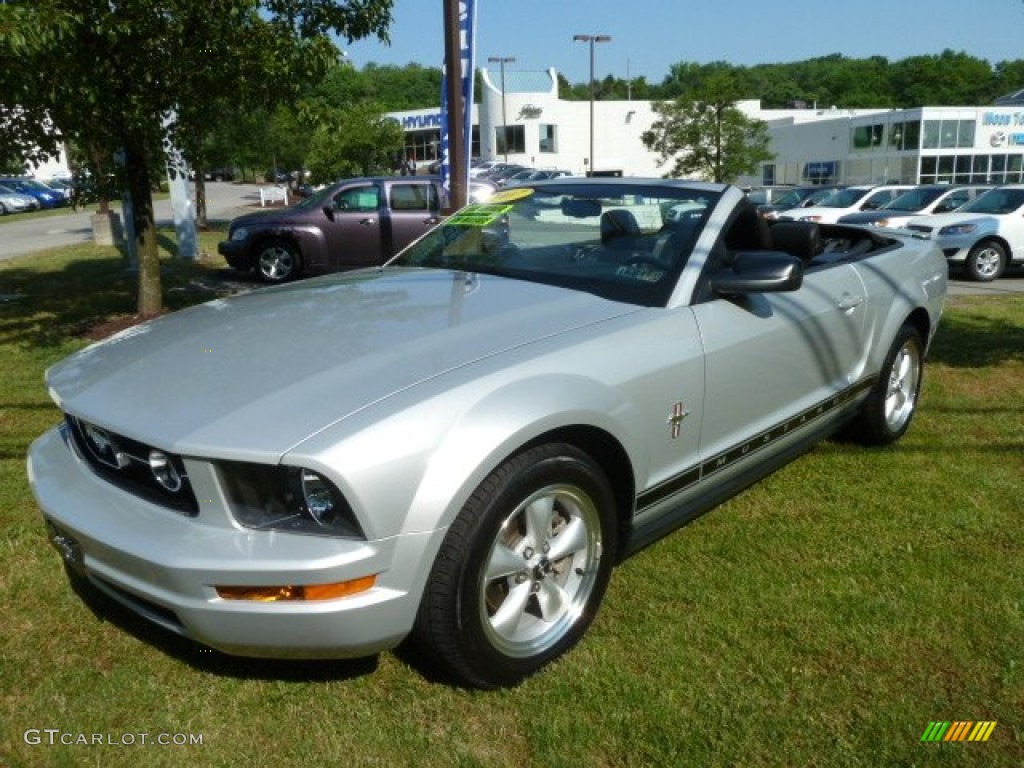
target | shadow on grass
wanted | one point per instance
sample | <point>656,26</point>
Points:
<point>973,338</point>
<point>54,304</point>
<point>211,661</point>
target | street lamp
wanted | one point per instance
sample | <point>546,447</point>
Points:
<point>503,60</point>
<point>592,39</point>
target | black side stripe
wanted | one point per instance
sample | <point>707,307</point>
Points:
<point>730,456</point>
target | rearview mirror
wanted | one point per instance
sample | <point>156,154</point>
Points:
<point>329,212</point>
<point>581,208</point>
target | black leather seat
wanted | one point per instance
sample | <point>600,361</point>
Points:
<point>748,232</point>
<point>798,238</point>
<point>619,224</point>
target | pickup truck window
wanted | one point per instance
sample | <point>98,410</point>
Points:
<point>414,197</point>
<point>362,198</point>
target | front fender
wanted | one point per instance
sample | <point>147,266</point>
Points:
<point>412,469</point>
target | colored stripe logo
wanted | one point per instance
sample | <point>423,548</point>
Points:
<point>958,730</point>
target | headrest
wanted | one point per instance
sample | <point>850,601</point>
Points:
<point>616,223</point>
<point>748,232</point>
<point>798,238</point>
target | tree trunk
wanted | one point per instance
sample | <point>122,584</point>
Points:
<point>200,182</point>
<point>150,294</point>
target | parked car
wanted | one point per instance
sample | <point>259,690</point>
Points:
<point>779,199</point>
<point>460,445</point>
<point>530,175</point>
<point>225,173</point>
<point>844,201</point>
<point>479,168</point>
<point>48,198</point>
<point>65,186</point>
<point>982,237</point>
<point>16,202</point>
<point>919,201</point>
<point>349,224</point>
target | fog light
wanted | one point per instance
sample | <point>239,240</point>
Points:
<point>300,592</point>
<point>164,471</point>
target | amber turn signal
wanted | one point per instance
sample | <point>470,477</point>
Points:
<point>300,592</point>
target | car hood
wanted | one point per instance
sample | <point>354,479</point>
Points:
<point>257,374</point>
<point>937,221</point>
<point>270,218</point>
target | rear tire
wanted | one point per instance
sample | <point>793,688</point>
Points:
<point>885,416</point>
<point>986,261</point>
<point>522,570</point>
<point>278,261</point>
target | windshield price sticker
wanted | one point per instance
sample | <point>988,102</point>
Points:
<point>478,215</point>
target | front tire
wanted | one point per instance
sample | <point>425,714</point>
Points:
<point>522,570</point>
<point>986,261</point>
<point>886,414</point>
<point>278,261</point>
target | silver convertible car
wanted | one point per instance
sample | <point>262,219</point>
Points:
<point>457,447</point>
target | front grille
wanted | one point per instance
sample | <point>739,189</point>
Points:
<point>126,463</point>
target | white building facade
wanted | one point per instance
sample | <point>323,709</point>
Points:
<point>524,118</point>
<point>911,146</point>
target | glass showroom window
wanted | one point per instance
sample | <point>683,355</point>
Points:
<point>868,136</point>
<point>516,135</point>
<point>548,138</point>
<point>905,135</point>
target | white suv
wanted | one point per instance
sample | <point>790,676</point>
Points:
<point>982,237</point>
<point>844,201</point>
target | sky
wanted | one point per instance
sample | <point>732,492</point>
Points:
<point>648,36</point>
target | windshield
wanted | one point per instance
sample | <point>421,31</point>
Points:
<point>914,199</point>
<point>843,198</point>
<point>996,201</point>
<point>625,242</point>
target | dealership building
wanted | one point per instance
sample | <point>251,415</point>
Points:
<point>811,145</point>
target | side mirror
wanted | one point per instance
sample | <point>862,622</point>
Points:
<point>759,272</point>
<point>328,212</point>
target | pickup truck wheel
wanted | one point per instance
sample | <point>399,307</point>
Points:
<point>886,414</point>
<point>522,570</point>
<point>278,261</point>
<point>985,261</point>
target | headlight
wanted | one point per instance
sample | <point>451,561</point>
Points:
<point>958,229</point>
<point>240,234</point>
<point>879,223</point>
<point>291,499</point>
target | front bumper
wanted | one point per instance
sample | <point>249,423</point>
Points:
<point>236,253</point>
<point>165,566</point>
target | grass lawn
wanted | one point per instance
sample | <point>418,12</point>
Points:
<point>824,617</point>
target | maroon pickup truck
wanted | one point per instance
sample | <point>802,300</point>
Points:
<point>351,224</point>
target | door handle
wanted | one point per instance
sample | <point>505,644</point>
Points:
<point>849,303</point>
<point>431,220</point>
<point>368,222</point>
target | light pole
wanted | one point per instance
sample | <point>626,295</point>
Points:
<point>502,61</point>
<point>592,39</point>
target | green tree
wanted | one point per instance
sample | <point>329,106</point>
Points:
<point>705,135</point>
<point>356,141</point>
<point>126,76</point>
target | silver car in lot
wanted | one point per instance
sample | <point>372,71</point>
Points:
<point>458,446</point>
<point>16,202</point>
<point>982,238</point>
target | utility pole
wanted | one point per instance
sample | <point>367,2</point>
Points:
<point>456,129</point>
<point>592,39</point>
